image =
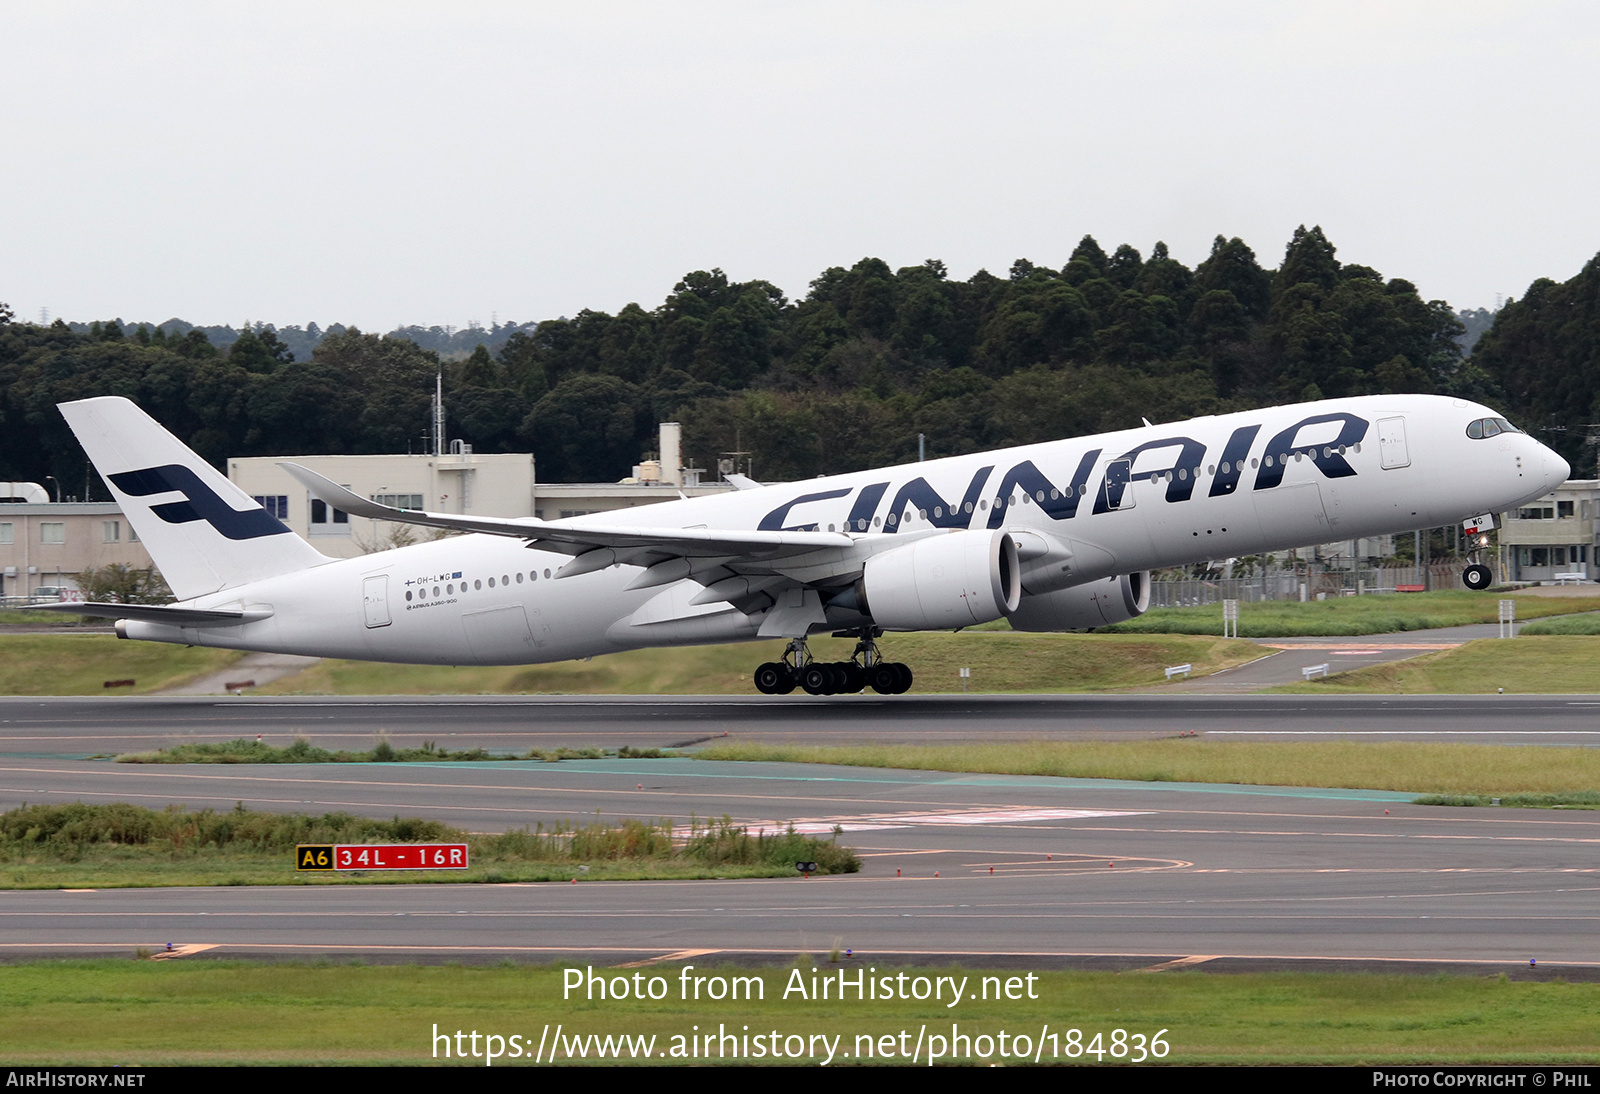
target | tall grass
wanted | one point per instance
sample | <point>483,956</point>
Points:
<point>66,833</point>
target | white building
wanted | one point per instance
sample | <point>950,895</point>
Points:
<point>49,544</point>
<point>1553,535</point>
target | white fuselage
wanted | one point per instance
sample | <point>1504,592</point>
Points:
<point>1188,491</point>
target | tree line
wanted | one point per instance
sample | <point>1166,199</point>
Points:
<point>844,378</point>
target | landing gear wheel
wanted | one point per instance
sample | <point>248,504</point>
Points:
<point>774,678</point>
<point>904,672</point>
<point>884,679</point>
<point>817,679</point>
<point>1477,576</point>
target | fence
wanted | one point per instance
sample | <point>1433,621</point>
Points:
<point>1318,584</point>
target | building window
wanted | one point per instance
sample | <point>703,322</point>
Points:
<point>1536,512</point>
<point>328,521</point>
<point>52,531</point>
<point>276,505</point>
<point>1563,509</point>
<point>111,531</point>
<point>8,533</point>
<point>399,501</point>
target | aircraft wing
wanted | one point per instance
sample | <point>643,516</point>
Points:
<point>636,545</point>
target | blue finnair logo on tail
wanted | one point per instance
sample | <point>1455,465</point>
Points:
<point>202,504</point>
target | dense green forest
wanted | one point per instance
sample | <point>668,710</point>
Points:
<point>845,378</point>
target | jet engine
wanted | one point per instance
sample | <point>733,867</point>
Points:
<point>943,582</point>
<point>1094,604</point>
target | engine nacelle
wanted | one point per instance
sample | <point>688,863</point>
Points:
<point>1095,604</point>
<point>943,582</point>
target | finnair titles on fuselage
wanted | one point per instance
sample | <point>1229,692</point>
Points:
<point>1053,536</point>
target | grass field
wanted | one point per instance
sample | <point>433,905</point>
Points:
<point>197,1011</point>
<point>1001,661</point>
<point>23,617</point>
<point>1492,770</point>
<point>80,664</point>
<point>1533,665</point>
<point>1352,615</point>
<point>1563,624</point>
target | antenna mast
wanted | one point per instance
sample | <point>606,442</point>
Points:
<point>438,413</point>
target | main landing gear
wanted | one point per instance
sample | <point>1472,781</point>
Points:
<point>864,669</point>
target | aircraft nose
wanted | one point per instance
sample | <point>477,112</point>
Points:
<point>1554,469</point>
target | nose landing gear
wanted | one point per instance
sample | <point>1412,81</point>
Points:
<point>1477,576</point>
<point>865,669</point>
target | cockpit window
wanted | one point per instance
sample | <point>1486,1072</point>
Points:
<point>1490,427</point>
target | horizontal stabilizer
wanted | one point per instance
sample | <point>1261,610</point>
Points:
<point>157,613</point>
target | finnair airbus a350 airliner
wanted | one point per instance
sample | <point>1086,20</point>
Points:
<point>1052,536</point>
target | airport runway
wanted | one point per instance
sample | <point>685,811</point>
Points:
<point>1084,871</point>
<point>82,727</point>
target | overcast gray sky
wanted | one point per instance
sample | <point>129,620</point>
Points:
<point>388,163</point>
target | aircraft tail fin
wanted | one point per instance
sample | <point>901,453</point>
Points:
<point>204,533</point>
